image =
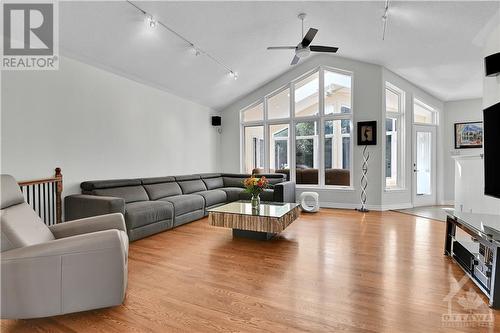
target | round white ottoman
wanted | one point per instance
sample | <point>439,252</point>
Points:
<point>309,201</point>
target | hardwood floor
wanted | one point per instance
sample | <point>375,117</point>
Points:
<point>337,270</point>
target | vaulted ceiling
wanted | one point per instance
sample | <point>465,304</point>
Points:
<point>436,45</point>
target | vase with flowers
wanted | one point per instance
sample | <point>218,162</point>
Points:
<point>255,186</point>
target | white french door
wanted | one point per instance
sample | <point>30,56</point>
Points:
<point>424,165</point>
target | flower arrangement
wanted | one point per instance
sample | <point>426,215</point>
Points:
<point>255,186</point>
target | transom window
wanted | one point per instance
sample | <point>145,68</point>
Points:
<point>423,113</point>
<point>394,136</point>
<point>303,129</point>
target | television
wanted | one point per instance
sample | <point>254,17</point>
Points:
<point>491,144</point>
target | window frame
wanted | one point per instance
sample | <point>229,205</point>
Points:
<point>292,121</point>
<point>400,117</point>
<point>434,111</point>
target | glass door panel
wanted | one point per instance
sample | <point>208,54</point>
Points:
<point>424,165</point>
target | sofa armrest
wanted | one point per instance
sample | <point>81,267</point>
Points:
<point>284,192</point>
<point>91,242</point>
<point>89,224</point>
<point>64,275</point>
<point>82,205</point>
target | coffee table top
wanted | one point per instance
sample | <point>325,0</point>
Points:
<point>266,209</point>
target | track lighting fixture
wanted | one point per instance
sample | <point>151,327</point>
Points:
<point>153,22</point>
<point>385,17</point>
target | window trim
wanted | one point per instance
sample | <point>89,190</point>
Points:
<point>292,120</point>
<point>400,117</point>
<point>433,110</point>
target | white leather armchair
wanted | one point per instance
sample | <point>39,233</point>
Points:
<point>69,267</point>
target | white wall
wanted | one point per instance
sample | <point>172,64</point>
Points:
<point>402,198</point>
<point>457,112</point>
<point>367,105</point>
<point>98,125</point>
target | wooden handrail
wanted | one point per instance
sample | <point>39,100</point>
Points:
<point>52,211</point>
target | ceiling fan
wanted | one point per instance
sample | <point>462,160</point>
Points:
<point>304,48</point>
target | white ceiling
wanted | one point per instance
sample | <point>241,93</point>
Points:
<point>436,45</point>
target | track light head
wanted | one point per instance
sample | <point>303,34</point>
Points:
<point>151,21</point>
<point>234,75</point>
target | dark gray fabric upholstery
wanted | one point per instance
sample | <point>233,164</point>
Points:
<point>129,193</point>
<point>210,175</point>
<point>284,192</point>
<point>82,205</point>
<point>186,177</point>
<point>162,190</point>
<point>185,203</point>
<point>156,180</point>
<point>191,186</point>
<point>138,214</point>
<point>213,183</point>
<point>149,229</point>
<point>97,184</point>
<point>236,175</point>
<point>233,181</point>
<point>188,217</point>
<point>266,195</point>
<point>188,196</point>
<point>232,193</point>
<point>213,197</point>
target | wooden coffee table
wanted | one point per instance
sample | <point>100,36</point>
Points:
<point>270,219</point>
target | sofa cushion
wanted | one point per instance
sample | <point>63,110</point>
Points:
<point>210,175</point>
<point>162,190</point>
<point>138,214</point>
<point>232,193</point>
<point>100,184</point>
<point>156,180</point>
<point>191,186</point>
<point>129,193</point>
<point>213,183</point>
<point>187,177</point>
<point>233,181</point>
<point>185,203</point>
<point>266,195</point>
<point>213,197</point>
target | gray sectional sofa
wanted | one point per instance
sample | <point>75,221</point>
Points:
<point>151,205</point>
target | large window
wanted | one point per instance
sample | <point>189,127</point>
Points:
<point>278,147</point>
<point>307,96</point>
<point>394,139</point>
<point>306,127</point>
<point>254,148</point>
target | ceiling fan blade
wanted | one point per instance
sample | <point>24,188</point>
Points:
<point>281,47</point>
<point>319,48</point>
<point>309,37</point>
<point>295,60</point>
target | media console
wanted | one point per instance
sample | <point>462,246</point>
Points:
<point>478,255</point>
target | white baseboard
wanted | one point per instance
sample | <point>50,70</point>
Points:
<point>448,202</point>
<point>397,206</point>
<point>370,207</point>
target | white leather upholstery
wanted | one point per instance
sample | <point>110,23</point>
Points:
<point>69,267</point>
<point>309,201</point>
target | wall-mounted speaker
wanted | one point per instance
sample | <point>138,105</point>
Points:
<point>492,64</point>
<point>216,120</point>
